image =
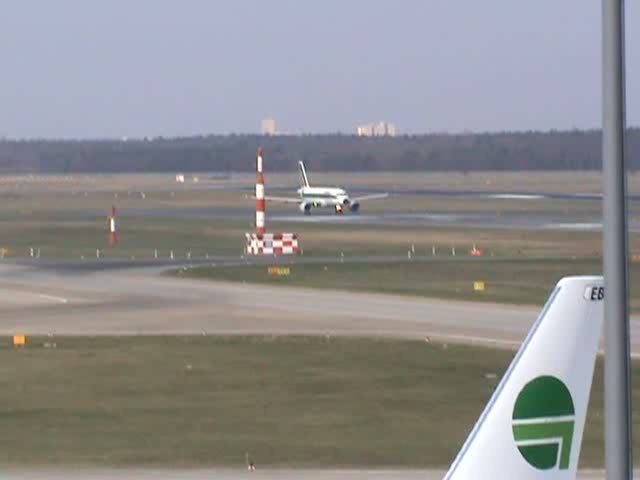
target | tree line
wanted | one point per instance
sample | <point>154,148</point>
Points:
<point>553,150</point>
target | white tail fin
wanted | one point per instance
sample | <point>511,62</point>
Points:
<point>532,427</point>
<point>303,174</point>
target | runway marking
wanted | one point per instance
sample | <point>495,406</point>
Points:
<point>517,196</point>
<point>53,298</point>
<point>574,226</point>
<point>473,339</point>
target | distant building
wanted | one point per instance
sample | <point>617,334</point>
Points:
<point>391,129</point>
<point>365,130</point>
<point>380,129</point>
<point>269,126</point>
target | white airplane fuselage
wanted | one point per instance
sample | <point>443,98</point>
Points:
<point>318,197</point>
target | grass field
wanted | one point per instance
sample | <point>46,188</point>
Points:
<point>288,401</point>
<point>72,234</point>
<point>535,181</point>
<point>66,217</point>
<point>519,281</point>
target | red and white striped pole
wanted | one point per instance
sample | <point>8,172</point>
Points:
<point>260,202</point>
<point>113,234</point>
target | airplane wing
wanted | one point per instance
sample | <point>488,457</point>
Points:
<point>277,199</point>
<point>283,199</point>
<point>375,196</point>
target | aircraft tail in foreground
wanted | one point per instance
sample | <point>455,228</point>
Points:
<point>532,427</point>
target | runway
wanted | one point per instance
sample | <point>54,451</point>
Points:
<point>508,221</point>
<point>539,220</point>
<point>227,474</point>
<point>140,301</point>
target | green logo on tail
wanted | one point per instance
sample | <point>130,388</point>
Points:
<point>543,421</point>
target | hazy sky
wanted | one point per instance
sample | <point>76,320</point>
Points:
<point>111,68</point>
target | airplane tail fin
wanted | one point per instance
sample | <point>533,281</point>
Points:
<point>532,427</point>
<point>303,174</point>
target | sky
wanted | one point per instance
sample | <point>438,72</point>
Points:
<point>135,68</point>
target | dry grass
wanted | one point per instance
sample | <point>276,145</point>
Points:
<point>289,401</point>
<point>549,182</point>
<point>65,220</point>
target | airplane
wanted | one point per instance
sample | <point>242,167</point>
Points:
<point>532,427</point>
<point>319,197</point>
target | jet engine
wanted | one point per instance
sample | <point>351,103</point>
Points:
<point>305,208</point>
